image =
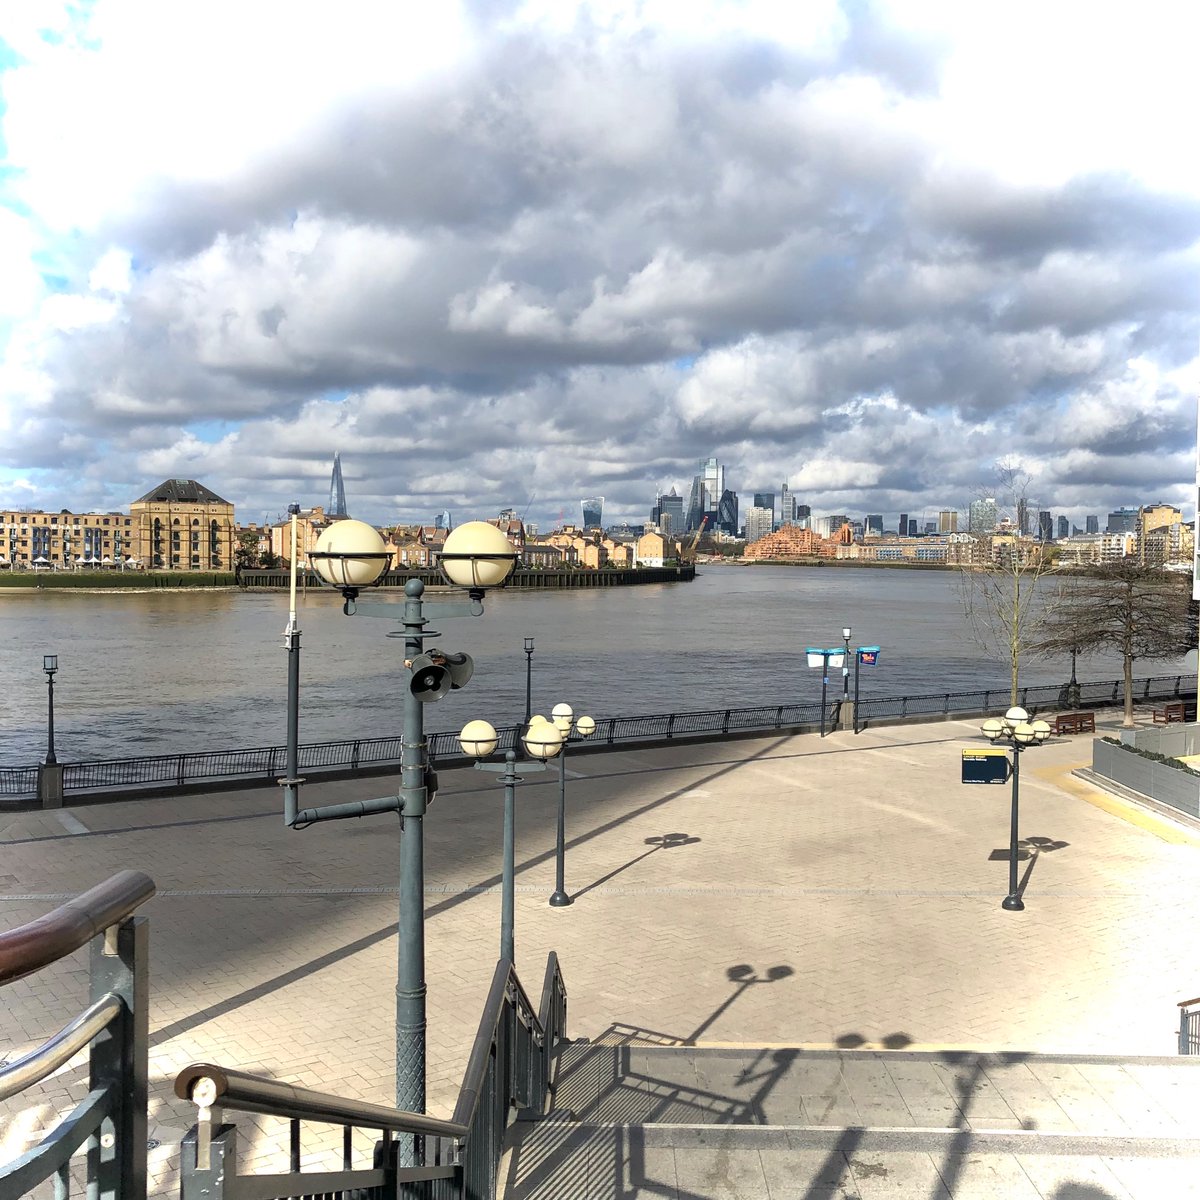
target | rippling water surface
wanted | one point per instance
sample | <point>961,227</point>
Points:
<point>162,672</point>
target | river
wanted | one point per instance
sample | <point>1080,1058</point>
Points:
<point>162,672</point>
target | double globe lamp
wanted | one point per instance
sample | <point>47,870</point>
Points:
<point>351,555</point>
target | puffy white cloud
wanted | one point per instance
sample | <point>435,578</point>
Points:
<point>518,253</point>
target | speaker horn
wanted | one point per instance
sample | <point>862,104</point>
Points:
<point>430,681</point>
<point>461,667</point>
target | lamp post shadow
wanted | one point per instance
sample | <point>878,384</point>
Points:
<point>665,841</point>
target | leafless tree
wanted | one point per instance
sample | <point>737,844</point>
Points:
<point>1001,586</point>
<point>1126,609</point>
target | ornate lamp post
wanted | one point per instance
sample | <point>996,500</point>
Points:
<point>50,665</point>
<point>542,741</point>
<point>351,555</point>
<point>1016,729</point>
<point>528,678</point>
<point>563,717</point>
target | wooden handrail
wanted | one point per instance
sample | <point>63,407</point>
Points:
<point>1188,1003</point>
<point>58,933</point>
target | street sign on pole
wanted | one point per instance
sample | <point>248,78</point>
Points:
<point>988,765</point>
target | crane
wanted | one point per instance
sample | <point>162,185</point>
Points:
<point>688,552</point>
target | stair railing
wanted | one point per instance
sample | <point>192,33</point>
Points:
<point>510,1066</point>
<point>111,1119</point>
<point>1189,1026</point>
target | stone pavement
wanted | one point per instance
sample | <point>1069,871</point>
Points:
<point>843,891</point>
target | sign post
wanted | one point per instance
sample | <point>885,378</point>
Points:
<point>864,656</point>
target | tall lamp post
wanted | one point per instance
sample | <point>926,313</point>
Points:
<point>50,665</point>
<point>1018,731</point>
<point>845,668</point>
<point>351,555</point>
<point>542,741</point>
<point>564,720</point>
<point>528,678</point>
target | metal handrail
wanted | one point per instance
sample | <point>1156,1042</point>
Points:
<point>48,938</point>
<point>61,1048</point>
<point>253,1093</point>
<point>503,978</point>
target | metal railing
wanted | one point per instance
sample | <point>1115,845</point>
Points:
<point>509,1066</point>
<point>111,1118</point>
<point>265,765</point>
<point>1189,1026</point>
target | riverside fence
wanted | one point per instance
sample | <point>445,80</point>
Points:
<point>126,778</point>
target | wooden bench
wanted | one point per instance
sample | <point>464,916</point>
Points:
<point>1075,722</point>
<point>1170,712</point>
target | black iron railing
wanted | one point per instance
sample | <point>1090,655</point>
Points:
<point>265,765</point>
<point>420,1157</point>
<point>111,1118</point>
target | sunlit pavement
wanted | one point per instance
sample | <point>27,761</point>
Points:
<point>843,891</point>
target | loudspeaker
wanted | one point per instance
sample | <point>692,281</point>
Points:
<point>461,667</point>
<point>429,680</point>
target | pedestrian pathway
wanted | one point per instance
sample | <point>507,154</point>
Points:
<point>778,892</point>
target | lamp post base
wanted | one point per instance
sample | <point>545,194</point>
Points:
<point>560,900</point>
<point>1013,903</point>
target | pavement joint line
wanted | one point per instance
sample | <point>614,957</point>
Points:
<point>531,889</point>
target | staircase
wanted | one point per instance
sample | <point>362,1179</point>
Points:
<point>683,1123</point>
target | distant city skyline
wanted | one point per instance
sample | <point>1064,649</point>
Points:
<point>511,256</point>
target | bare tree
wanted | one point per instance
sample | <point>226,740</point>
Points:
<point>1000,584</point>
<point>1126,609</point>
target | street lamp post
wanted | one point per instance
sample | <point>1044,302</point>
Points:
<point>351,555</point>
<point>1016,729</point>
<point>528,678</point>
<point>542,741</point>
<point>845,670</point>
<point>563,717</point>
<point>50,665</point>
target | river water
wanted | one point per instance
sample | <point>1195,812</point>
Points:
<point>162,672</point>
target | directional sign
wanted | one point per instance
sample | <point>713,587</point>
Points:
<point>868,655</point>
<point>985,766</point>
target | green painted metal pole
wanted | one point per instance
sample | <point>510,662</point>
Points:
<point>560,899</point>
<point>508,876</point>
<point>1013,901</point>
<point>50,758</point>
<point>410,963</point>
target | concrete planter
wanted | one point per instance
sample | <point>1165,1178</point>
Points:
<point>1168,785</point>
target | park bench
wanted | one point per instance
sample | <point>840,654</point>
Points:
<point>1075,722</point>
<point>1170,712</point>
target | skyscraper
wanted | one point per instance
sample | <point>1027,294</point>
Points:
<point>337,491</point>
<point>1023,516</point>
<point>947,521</point>
<point>801,515</point>
<point>873,525</point>
<point>727,512</point>
<point>1045,525</point>
<point>902,525</point>
<point>764,500</point>
<point>593,512</point>
<point>1064,527</point>
<point>787,506</point>
<point>981,517</point>
<point>1123,520</point>
<point>668,512</point>
<point>1092,524</point>
<point>759,520</point>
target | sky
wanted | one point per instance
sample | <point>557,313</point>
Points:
<point>505,254</point>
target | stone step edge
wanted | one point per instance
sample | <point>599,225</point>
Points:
<point>917,1050</point>
<point>849,1139</point>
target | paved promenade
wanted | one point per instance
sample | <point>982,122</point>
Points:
<point>838,892</point>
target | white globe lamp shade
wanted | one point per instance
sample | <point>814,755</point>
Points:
<point>1041,730</point>
<point>1016,715</point>
<point>478,739</point>
<point>537,719</point>
<point>542,740</point>
<point>477,555</point>
<point>563,716</point>
<point>350,554</point>
<point>993,728</point>
<point>585,726</point>
<point>1023,733</point>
